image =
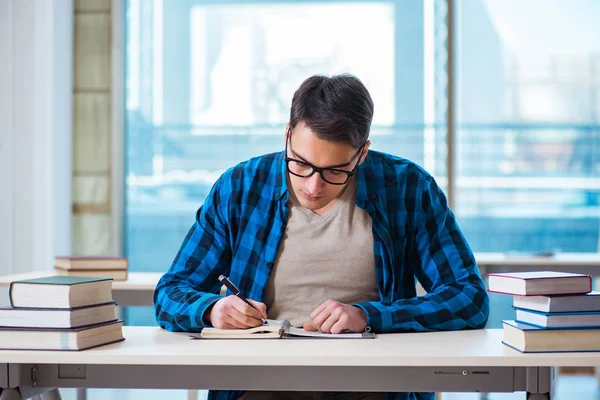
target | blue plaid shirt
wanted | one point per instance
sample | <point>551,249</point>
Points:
<point>239,227</point>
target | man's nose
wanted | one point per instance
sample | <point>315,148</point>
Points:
<point>315,183</point>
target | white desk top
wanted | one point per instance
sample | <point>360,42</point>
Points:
<point>154,346</point>
<point>557,260</point>
<point>135,280</point>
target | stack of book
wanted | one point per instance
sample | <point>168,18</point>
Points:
<point>60,313</point>
<point>555,311</point>
<point>97,267</point>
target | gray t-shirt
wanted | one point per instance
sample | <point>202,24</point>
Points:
<point>321,258</point>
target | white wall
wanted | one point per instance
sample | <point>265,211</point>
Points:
<point>35,132</point>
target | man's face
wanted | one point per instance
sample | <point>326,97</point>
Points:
<point>313,192</point>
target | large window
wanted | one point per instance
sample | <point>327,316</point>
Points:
<point>528,139</point>
<point>209,84</point>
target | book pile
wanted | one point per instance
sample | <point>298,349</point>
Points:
<point>60,313</point>
<point>555,311</point>
<point>96,267</point>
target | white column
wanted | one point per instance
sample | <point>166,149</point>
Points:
<point>35,132</point>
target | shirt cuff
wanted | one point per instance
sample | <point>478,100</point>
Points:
<point>373,316</point>
<point>202,305</point>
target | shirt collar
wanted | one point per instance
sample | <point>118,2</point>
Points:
<point>281,186</point>
<point>366,188</point>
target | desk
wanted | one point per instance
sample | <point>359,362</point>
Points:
<point>152,358</point>
<point>137,290</point>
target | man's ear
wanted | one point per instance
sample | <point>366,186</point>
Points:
<point>365,151</point>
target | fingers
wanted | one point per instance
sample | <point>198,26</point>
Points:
<point>241,306</point>
<point>232,324</point>
<point>233,313</point>
<point>244,321</point>
<point>261,307</point>
<point>322,314</point>
<point>308,326</point>
<point>335,317</point>
<point>340,326</point>
<point>243,313</point>
<point>319,309</point>
<point>330,322</point>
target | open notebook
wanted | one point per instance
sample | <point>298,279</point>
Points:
<point>274,329</point>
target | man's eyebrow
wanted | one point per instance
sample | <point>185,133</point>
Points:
<point>331,166</point>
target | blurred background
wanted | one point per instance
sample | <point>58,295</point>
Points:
<point>210,83</point>
<point>118,116</point>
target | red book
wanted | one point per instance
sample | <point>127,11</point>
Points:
<point>539,283</point>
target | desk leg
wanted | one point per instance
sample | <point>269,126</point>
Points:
<point>10,394</point>
<point>543,383</point>
<point>538,396</point>
<point>53,394</point>
<point>192,395</point>
<point>81,394</point>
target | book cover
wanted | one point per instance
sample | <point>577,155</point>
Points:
<point>71,339</point>
<point>60,292</point>
<point>547,351</point>
<point>528,338</point>
<point>57,318</point>
<point>529,275</point>
<point>558,320</point>
<point>116,274</point>
<point>536,283</point>
<point>60,280</point>
<point>552,314</point>
<point>522,326</point>
<point>559,303</point>
<point>87,262</point>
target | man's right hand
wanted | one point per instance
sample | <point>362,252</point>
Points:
<point>231,312</point>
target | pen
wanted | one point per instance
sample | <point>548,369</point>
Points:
<point>236,292</point>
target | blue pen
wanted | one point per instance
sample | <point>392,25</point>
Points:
<point>236,292</point>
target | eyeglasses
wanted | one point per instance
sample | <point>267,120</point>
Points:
<point>304,169</point>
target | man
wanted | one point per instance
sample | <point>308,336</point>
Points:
<point>326,234</point>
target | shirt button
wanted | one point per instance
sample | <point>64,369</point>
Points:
<point>282,227</point>
<point>270,265</point>
<point>374,197</point>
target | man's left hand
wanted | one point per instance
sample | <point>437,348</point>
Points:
<point>335,317</point>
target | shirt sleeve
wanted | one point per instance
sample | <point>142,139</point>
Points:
<point>445,266</point>
<point>191,284</point>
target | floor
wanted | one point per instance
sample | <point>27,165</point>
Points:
<point>567,388</point>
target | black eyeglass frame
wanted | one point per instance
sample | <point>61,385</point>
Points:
<point>317,169</point>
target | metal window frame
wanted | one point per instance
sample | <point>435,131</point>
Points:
<point>118,128</point>
<point>451,97</point>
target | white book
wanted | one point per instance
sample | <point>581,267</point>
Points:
<point>539,283</point>
<point>57,318</point>
<point>60,292</point>
<point>559,320</point>
<point>531,339</point>
<point>61,339</point>
<point>570,303</point>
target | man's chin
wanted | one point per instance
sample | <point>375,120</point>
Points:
<point>314,205</point>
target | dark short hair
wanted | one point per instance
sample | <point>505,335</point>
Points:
<point>337,108</point>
